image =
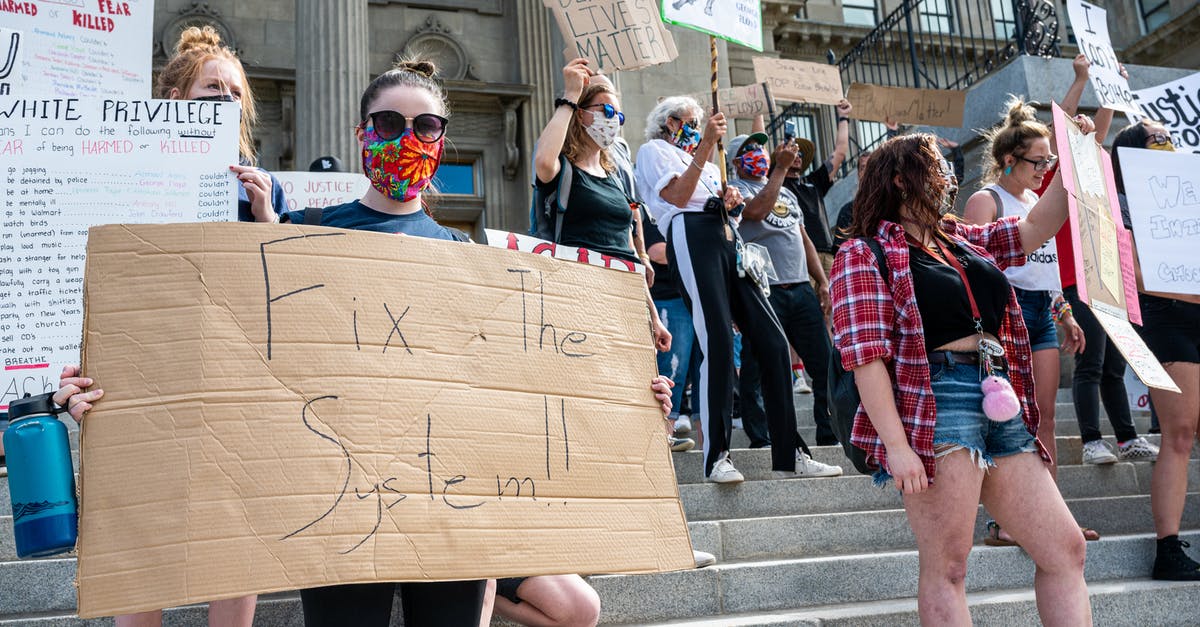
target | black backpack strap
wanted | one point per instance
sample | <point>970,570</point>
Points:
<point>312,216</point>
<point>880,259</point>
<point>999,203</point>
<point>457,234</point>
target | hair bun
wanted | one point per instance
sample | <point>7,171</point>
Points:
<point>198,37</point>
<point>1019,111</point>
<point>423,67</point>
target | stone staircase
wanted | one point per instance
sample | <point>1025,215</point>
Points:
<point>834,551</point>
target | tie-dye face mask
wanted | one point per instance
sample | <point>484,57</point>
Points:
<point>754,163</point>
<point>402,168</point>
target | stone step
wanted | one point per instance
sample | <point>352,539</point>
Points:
<point>273,610</point>
<point>765,586</point>
<point>1132,603</point>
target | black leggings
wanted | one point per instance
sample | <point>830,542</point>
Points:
<point>448,603</point>
<point>716,297</point>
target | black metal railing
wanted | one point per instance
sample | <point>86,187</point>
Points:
<point>938,44</point>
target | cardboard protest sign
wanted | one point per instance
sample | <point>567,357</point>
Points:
<point>1090,25</point>
<point>800,81</point>
<point>70,163</point>
<point>321,189</point>
<point>1134,350</point>
<point>1177,106</point>
<point>1136,391</point>
<point>614,34</point>
<point>739,22</point>
<point>1163,191</point>
<point>11,48</point>
<point>77,48</point>
<point>298,406</point>
<point>930,107</point>
<point>1102,246</point>
<point>530,244</point>
<point>746,102</point>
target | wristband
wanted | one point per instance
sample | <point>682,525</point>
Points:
<point>1061,310</point>
<point>558,102</point>
<point>841,119</point>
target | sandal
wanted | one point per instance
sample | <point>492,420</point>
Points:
<point>1089,534</point>
<point>993,536</point>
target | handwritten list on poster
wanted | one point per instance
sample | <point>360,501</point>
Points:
<point>84,47</point>
<point>72,163</point>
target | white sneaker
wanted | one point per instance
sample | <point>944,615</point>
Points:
<point>1138,450</point>
<point>809,467</point>
<point>801,386</point>
<point>1098,452</point>
<point>724,472</point>
<point>703,559</point>
<point>683,425</point>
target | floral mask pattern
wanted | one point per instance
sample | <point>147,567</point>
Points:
<point>402,168</point>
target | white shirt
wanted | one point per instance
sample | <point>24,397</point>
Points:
<point>1040,272</point>
<point>658,163</point>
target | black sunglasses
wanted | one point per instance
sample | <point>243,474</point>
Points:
<point>693,124</point>
<point>1043,165</point>
<point>609,112</point>
<point>390,125</point>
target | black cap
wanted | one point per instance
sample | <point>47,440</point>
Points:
<point>32,406</point>
<point>327,164</point>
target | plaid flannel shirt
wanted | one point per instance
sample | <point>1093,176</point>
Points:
<point>870,324</point>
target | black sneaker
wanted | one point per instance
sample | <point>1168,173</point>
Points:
<point>1172,564</point>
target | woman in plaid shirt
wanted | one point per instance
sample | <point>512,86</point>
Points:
<point>914,344</point>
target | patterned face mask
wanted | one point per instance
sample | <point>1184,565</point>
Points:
<point>402,168</point>
<point>754,163</point>
<point>687,138</point>
<point>603,130</point>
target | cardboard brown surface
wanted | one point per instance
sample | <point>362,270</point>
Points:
<point>930,107</point>
<point>745,102</point>
<point>614,34</point>
<point>292,406</point>
<point>799,81</point>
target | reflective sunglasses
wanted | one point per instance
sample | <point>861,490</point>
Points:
<point>1043,165</point>
<point>609,112</point>
<point>1158,139</point>
<point>390,125</point>
<point>692,124</point>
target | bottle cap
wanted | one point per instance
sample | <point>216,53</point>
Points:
<point>32,406</point>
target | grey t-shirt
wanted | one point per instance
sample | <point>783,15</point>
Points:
<point>779,232</point>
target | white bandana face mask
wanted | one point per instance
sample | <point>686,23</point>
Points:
<point>603,130</point>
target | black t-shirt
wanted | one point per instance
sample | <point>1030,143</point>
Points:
<point>845,216</point>
<point>666,284</point>
<point>357,216</point>
<point>810,190</point>
<point>597,215</point>
<point>942,301</point>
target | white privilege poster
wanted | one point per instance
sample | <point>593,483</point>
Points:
<point>321,189</point>
<point>1090,24</point>
<point>11,47</point>
<point>1163,191</point>
<point>738,21</point>
<point>1177,105</point>
<point>72,163</point>
<point>84,47</point>
<point>530,244</point>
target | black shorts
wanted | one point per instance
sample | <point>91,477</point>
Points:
<point>1171,329</point>
<point>507,588</point>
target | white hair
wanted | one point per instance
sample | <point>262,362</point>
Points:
<point>675,106</point>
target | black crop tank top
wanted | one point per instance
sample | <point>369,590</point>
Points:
<point>942,300</point>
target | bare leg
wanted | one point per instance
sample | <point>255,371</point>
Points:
<point>237,612</point>
<point>152,618</point>
<point>552,601</point>
<point>1045,386</point>
<point>943,520</point>
<point>1178,415</point>
<point>1023,497</point>
<point>489,601</point>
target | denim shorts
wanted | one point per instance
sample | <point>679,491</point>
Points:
<point>1036,309</point>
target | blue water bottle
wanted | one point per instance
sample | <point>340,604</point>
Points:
<point>41,480</point>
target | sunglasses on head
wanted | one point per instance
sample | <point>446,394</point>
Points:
<point>390,125</point>
<point>1158,139</point>
<point>1043,165</point>
<point>609,112</point>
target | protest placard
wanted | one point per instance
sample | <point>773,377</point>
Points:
<point>1090,25</point>
<point>11,62</point>
<point>1134,350</point>
<point>530,244</point>
<point>800,81</point>
<point>1177,106</point>
<point>1136,392</point>
<point>70,163</point>
<point>614,34</point>
<point>747,102</point>
<point>929,107</point>
<point>77,48</point>
<point>1163,192</point>
<point>739,22</point>
<point>300,406</point>
<point>321,189</point>
<point>1102,247</point>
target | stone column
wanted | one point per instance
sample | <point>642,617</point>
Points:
<point>331,72</point>
<point>539,64</point>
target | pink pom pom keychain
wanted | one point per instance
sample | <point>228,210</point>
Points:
<point>1000,402</point>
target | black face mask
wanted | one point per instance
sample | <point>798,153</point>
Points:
<point>216,98</point>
